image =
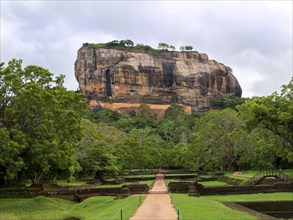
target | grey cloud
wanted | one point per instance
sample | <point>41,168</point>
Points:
<point>254,38</point>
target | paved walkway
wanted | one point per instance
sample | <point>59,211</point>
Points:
<point>157,205</point>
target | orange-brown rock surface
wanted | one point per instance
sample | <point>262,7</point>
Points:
<point>121,79</point>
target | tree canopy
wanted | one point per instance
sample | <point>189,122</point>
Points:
<point>273,113</point>
<point>46,132</point>
<point>39,122</point>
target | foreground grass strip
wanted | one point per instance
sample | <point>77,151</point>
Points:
<point>211,207</point>
<point>203,208</point>
<point>100,207</point>
<point>36,208</point>
<point>106,208</point>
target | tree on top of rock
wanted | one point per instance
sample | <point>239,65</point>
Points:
<point>172,47</point>
<point>188,48</point>
<point>163,46</point>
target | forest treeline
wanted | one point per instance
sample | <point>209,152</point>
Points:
<point>46,133</point>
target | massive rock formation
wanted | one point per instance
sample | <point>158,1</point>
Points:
<point>123,79</point>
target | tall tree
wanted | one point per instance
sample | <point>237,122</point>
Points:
<point>273,113</point>
<point>172,47</point>
<point>163,46</point>
<point>188,47</point>
<point>145,117</point>
<point>129,43</point>
<point>182,48</point>
<point>40,121</point>
<point>95,152</point>
<point>214,142</point>
<point>229,101</point>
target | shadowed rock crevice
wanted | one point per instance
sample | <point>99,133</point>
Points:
<point>108,83</point>
<point>168,69</point>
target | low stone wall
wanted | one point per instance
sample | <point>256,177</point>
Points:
<point>203,179</point>
<point>21,193</point>
<point>144,172</point>
<point>268,206</point>
<point>228,190</point>
<point>138,188</point>
<point>183,187</point>
<point>68,193</point>
<point>96,191</point>
<point>277,209</point>
<point>137,179</point>
<point>177,171</point>
<point>178,187</point>
<point>181,177</point>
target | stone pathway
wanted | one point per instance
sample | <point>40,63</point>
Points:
<point>157,205</point>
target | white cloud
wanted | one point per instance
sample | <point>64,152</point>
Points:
<point>253,37</point>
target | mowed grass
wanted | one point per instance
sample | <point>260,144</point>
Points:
<point>72,183</point>
<point>178,180</point>
<point>101,207</point>
<point>243,175</point>
<point>213,183</point>
<point>141,176</point>
<point>211,207</point>
<point>36,208</point>
<point>202,208</point>
<point>253,197</point>
<point>181,174</point>
<point>106,208</point>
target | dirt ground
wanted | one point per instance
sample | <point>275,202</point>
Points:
<point>157,205</point>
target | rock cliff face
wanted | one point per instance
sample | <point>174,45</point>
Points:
<point>122,80</point>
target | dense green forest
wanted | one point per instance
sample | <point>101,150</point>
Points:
<point>46,132</point>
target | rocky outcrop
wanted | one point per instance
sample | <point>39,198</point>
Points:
<point>122,80</point>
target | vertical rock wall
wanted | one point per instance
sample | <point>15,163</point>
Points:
<point>118,78</point>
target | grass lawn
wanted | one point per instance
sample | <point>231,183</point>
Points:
<point>243,175</point>
<point>37,208</point>
<point>186,174</point>
<point>72,183</point>
<point>148,182</point>
<point>213,183</point>
<point>141,176</point>
<point>205,176</point>
<point>202,208</point>
<point>253,197</point>
<point>211,207</point>
<point>109,186</point>
<point>100,207</point>
<point>180,180</point>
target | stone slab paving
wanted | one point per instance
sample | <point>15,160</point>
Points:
<point>157,205</point>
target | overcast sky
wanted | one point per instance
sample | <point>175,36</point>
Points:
<point>254,38</point>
